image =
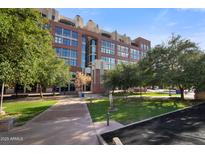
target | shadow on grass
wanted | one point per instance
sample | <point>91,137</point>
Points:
<point>144,94</point>
<point>27,113</point>
<point>135,109</point>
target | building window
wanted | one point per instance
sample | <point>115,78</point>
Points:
<point>58,30</point>
<point>73,54</point>
<point>72,62</point>
<point>83,51</point>
<point>74,35</point>
<point>134,54</point>
<point>91,51</point>
<point>107,47</point>
<point>65,53</point>
<point>58,40</point>
<point>66,32</point>
<point>66,37</point>
<point>122,51</point>
<point>142,54</point>
<point>144,47</point>
<point>66,41</point>
<point>70,56</point>
<point>74,43</point>
<point>83,39</point>
<point>110,62</point>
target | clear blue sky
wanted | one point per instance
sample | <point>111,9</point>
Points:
<point>153,24</point>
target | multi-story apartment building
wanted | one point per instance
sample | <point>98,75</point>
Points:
<point>89,49</point>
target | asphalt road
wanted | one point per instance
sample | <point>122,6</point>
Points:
<point>182,127</point>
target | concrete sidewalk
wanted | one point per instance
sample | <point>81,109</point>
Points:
<point>67,122</point>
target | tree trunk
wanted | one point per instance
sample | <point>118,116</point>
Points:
<point>16,89</point>
<point>2,96</point>
<point>182,93</point>
<point>140,91</point>
<point>152,87</point>
<point>54,90</point>
<point>125,95</point>
<point>36,88</point>
<point>41,93</point>
<point>170,94</point>
<point>113,90</point>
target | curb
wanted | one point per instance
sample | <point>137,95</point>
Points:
<point>149,119</point>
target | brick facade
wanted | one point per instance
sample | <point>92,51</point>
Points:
<point>138,44</point>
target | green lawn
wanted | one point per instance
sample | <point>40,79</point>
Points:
<point>135,109</point>
<point>24,111</point>
<point>158,94</point>
<point>146,94</point>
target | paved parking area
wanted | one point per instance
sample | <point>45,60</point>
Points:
<point>67,122</point>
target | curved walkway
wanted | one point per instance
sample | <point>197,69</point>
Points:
<point>67,122</point>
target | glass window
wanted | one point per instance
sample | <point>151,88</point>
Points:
<point>66,41</point>
<point>74,43</point>
<point>74,35</point>
<point>73,54</point>
<point>65,53</point>
<point>72,62</point>
<point>83,47</point>
<point>83,38</point>
<point>58,40</point>
<point>66,32</point>
<point>93,48</point>
<point>93,42</point>
<point>58,30</point>
<point>122,51</point>
<point>83,64</point>
<point>83,57</point>
<point>110,62</point>
<point>83,50</point>
<point>134,54</point>
<point>107,47</point>
<point>142,46</point>
<point>70,56</point>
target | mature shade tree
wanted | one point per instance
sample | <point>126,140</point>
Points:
<point>181,54</point>
<point>123,76</point>
<point>111,78</point>
<point>170,64</point>
<point>129,76</point>
<point>21,34</point>
<point>5,77</point>
<point>153,67</point>
<point>52,71</point>
<point>197,74</point>
<point>24,46</point>
<point>18,45</point>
